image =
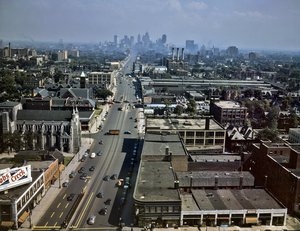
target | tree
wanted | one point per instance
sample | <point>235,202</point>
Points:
<point>293,121</point>
<point>268,134</point>
<point>272,118</point>
<point>178,110</point>
<point>191,107</point>
<point>102,93</point>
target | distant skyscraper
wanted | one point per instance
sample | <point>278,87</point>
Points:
<point>190,46</point>
<point>252,56</point>
<point>164,38</point>
<point>116,39</point>
<point>131,40</point>
<point>139,38</point>
<point>232,51</point>
<point>1,43</point>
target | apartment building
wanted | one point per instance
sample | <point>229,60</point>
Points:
<point>228,113</point>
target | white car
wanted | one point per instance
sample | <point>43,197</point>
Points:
<point>93,155</point>
<point>91,220</point>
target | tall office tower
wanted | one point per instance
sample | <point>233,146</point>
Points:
<point>232,51</point>
<point>131,40</point>
<point>190,45</point>
<point>252,56</point>
<point>164,39</point>
<point>116,39</point>
<point>139,38</point>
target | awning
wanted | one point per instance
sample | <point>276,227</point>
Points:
<point>7,224</point>
<point>23,217</point>
<point>251,220</point>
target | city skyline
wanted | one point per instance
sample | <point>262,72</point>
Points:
<point>255,24</point>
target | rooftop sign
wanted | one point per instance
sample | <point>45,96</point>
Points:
<point>14,177</point>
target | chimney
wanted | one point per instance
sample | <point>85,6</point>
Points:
<point>191,182</point>
<point>176,184</point>
<point>173,53</point>
<point>9,50</point>
<point>216,181</point>
<point>182,54</point>
<point>167,153</point>
<point>241,181</point>
<point>177,53</point>
<point>207,119</point>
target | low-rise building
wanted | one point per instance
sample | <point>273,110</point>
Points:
<point>228,113</point>
<point>201,135</point>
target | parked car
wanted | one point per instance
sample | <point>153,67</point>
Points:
<point>99,195</point>
<point>99,153</point>
<point>103,211</point>
<point>92,168</point>
<point>81,170</point>
<point>107,202</point>
<point>106,178</point>
<point>114,177</point>
<point>91,220</point>
<point>127,132</point>
<point>72,174</point>
<point>65,184</point>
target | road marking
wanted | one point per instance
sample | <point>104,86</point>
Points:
<point>61,214</point>
<point>64,196</point>
<point>87,204</point>
<point>67,205</point>
<point>45,228</point>
<point>94,228</point>
<point>58,205</point>
<point>52,214</point>
<point>84,188</point>
<point>46,223</point>
<point>55,224</point>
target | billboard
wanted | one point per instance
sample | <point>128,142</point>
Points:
<point>14,177</point>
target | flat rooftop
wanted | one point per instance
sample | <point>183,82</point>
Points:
<point>156,144</point>
<point>155,182</point>
<point>181,124</point>
<point>215,158</point>
<point>234,199</point>
<point>207,178</point>
<point>228,104</point>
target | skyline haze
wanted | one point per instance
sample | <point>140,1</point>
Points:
<point>259,24</point>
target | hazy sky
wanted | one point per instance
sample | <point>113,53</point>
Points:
<point>245,23</point>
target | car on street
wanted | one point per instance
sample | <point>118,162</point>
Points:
<point>72,174</point>
<point>83,176</point>
<point>114,177</point>
<point>99,153</point>
<point>127,132</point>
<point>91,220</point>
<point>81,170</point>
<point>92,168</point>
<point>93,155</point>
<point>106,178</point>
<point>99,195</point>
<point>83,159</point>
<point>71,197</point>
<point>103,211</point>
<point>65,184</point>
<point>107,202</point>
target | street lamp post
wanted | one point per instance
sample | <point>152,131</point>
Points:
<point>90,136</point>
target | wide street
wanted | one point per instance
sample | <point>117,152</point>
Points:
<point>118,155</point>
